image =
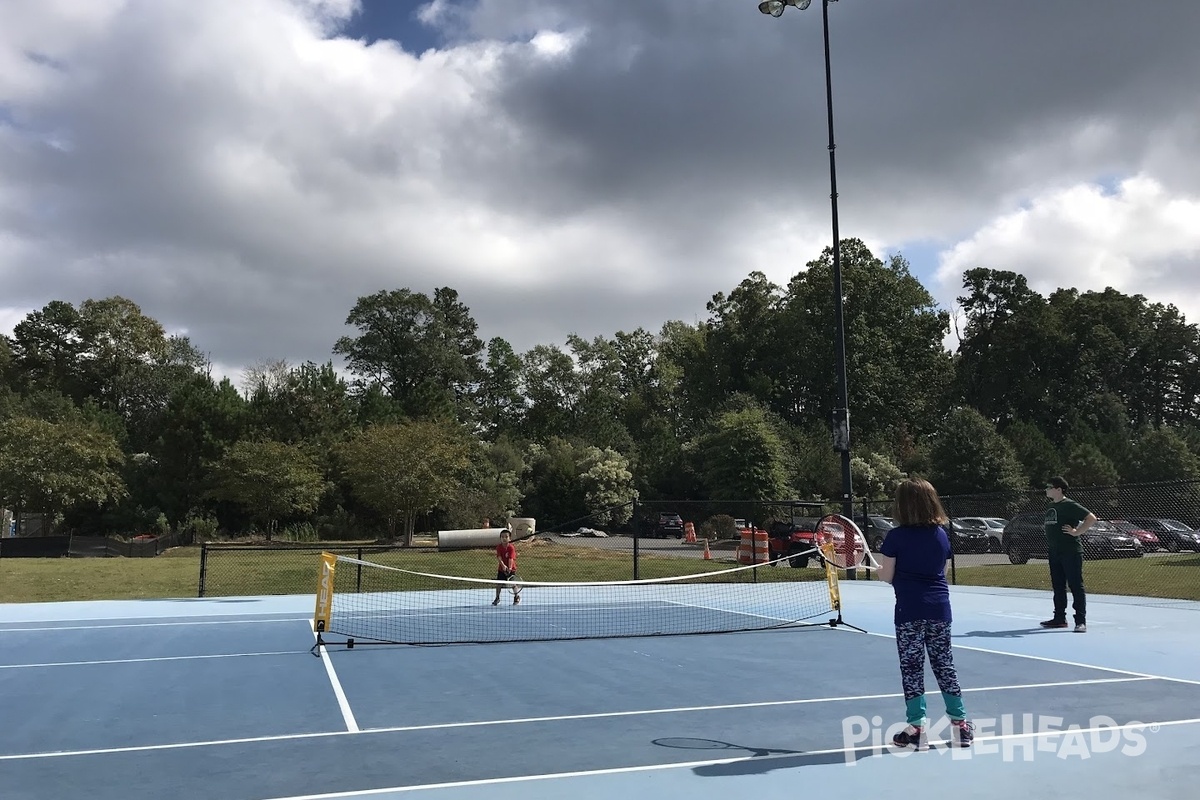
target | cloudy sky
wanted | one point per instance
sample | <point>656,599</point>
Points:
<point>244,170</point>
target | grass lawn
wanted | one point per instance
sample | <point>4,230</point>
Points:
<point>1175,577</point>
<point>176,573</point>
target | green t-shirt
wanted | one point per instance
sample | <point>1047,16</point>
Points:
<point>1064,512</point>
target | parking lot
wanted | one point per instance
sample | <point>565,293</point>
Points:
<point>725,551</point>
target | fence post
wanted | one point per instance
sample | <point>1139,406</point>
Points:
<point>953,549</point>
<point>635,538</point>
<point>203,566</point>
<point>358,576</point>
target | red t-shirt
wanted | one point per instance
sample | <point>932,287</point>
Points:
<point>508,555</point>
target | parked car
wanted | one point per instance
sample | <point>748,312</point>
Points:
<point>875,528</point>
<point>993,526</point>
<point>1147,537</point>
<point>1172,534</point>
<point>669,524</point>
<point>969,535</point>
<point>1025,538</point>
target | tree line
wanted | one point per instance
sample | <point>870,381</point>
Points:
<point>111,425</point>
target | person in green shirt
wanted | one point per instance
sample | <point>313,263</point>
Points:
<point>1066,521</point>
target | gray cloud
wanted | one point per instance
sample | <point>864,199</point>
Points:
<point>244,177</point>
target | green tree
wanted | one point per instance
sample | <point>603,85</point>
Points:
<point>46,349</point>
<point>491,485</point>
<point>894,338</point>
<point>54,467</point>
<point>553,391</point>
<point>422,353</point>
<point>306,404</point>
<point>600,414</point>
<point>406,469</point>
<point>1038,456</point>
<point>875,476</point>
<point>1161,454</point>
<point>552,487</point>
<point>743,343</point>
<point>201,421</point>
<point>607,486</point>
<point>1011,359</point>
<point>1087,465</point>
<point>742,458</point>
<point>968,456</point>
<point>499,400</point>
<point>270,480</point>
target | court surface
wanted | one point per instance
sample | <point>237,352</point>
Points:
<point>222,698</point>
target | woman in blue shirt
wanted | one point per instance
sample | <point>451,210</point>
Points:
<point>913,560</point>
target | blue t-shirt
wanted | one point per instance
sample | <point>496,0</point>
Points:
<point>920,577</point>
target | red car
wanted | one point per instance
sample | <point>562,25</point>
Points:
<point>1148,538</point>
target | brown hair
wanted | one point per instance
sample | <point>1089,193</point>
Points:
<point>917,503</point>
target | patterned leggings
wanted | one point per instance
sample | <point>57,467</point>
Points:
<point>913,639</point>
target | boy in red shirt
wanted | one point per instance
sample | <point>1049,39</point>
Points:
<point>506,568</point>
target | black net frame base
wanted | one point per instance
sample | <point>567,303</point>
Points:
<point>352,642</point>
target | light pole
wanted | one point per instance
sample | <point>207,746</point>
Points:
<point>841,414</point>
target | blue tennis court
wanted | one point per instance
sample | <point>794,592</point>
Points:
<point>223,698</point>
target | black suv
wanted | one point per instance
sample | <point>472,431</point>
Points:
<point>668,525</point>
<point>1025,538</point>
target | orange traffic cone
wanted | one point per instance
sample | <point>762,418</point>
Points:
<point>707,555</point>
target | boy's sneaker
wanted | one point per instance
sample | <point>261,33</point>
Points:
<point>1055,623</point>
<point>909,736</point>
<point>1081,628</point>
<point>962,733</point>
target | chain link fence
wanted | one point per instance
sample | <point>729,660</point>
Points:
<point>1147,544</point>
<point>629,542</point>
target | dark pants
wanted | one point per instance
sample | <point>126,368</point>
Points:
<point>1066,570</point>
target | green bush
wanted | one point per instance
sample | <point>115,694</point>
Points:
<point>718,526</point>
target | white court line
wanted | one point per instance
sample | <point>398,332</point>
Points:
<point>52,628</point>
<point>1051,660</point>
<point>338,692</point>
<point>149,660</point>
<point>808,754</point>
<point>530,720</point>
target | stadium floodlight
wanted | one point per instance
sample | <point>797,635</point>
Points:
<point>841,414</point>
<point>775,7</point>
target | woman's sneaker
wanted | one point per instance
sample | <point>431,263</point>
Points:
<point>962,733</point>
<point>909,736</point>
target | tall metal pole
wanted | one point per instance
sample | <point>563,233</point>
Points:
<point>841,415</point>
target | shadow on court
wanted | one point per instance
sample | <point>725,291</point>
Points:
<point>1013,634</point>
<point>764,760</point>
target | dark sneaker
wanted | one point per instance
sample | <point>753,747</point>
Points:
<point>496,602</point>
<point>909,736</point>
<point>1081,628</point>
<point>962,733</point>
<point>1055,623</point>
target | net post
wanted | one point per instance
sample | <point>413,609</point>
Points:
<point>323,611</point>
<point>203,566</point>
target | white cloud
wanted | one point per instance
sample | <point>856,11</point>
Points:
<point>1138,239</point>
